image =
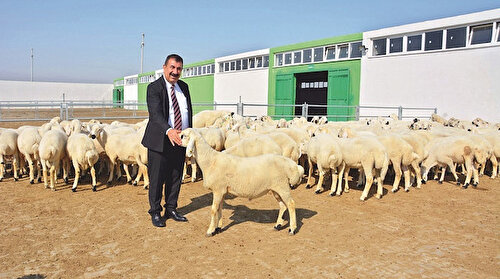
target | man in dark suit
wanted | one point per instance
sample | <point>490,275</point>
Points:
<point>170,112</point>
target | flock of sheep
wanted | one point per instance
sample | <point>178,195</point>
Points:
<point>252,157</point>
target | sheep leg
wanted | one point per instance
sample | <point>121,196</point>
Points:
<point>194,169</point>
<point>140,173</point>
<point>94,183</point>
<point>39,172</point>
<point>476,174</point>
<point>418,175</point>
<point>361,178</point>
<point>77,175</point>
<point>450,164</point>
<point>309,176</point>
<point>217,199</point>
<point>280,221</point>
<point>184,171</point>
<point>380,189</point>
<point>443,173</point>
<point>368,184</point>
<point>290,204</point>
<point>15,162</point>
<point>219,216</point>
<point>470,171</point>
<point>494,166</point>
<point>339,188</point>
<point>397,175</point>
<point>31,167</point>
<point>66,168</point>
<point>406,172</point>
<point>45,178</point>
<point>53,177</point>
<point>346,180</point>
<point>319,186</point>
<point>127,173</point>
<point>2,167</point>
<point>111,171</point>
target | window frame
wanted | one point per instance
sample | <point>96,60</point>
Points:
<point>471,33</point>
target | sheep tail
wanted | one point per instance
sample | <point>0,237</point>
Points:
<point>467,150</point>
<point>35,149</point>
<point>91,156</point>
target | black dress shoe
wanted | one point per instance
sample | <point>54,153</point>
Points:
<point>157,220</point>
<point>173,214</point>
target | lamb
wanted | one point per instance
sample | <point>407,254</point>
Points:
<point>128,149</point>
<point>225,173</point>
<point>494,140</point>
<point>207,118</point>
<point>437,118</point>
<point>52,151</point>
<point>215,138</point>
<point>368,154</point>
<point>324,150</point>
<point>8,147</point>
<point>28,143</point>
<point>83,153</point>
<point>450,150</point>
<point>401,156</point>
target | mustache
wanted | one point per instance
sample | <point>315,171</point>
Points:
<point>175,75</point>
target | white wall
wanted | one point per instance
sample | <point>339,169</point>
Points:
<point>251,85</point>
<point>461,83</point>
<point>53,91</point>
<point>130,92</point>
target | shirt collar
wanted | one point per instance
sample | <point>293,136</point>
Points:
<point>168,83</point>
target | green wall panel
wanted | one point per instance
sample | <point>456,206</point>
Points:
<point>201,89</point>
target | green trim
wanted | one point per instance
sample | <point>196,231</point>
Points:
<point>201,63</point>
<point>315,43</point>
<point>201,89</point>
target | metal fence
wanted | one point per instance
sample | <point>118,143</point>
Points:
<point>21,111</point>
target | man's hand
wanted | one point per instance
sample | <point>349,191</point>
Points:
<point>173,136</point>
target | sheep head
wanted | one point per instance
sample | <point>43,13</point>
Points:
<point>188,139</point>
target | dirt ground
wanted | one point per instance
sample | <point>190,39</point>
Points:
<point>439,231</point>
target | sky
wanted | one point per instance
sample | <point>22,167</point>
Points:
<point>97,41</point>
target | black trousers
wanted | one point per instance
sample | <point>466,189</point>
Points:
<point>165,169</point>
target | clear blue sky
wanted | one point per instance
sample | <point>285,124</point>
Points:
<point>97,41</point>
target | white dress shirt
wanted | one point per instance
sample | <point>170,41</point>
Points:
<point>181,100</point>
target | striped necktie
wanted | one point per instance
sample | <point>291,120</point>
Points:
<point>177,110</point>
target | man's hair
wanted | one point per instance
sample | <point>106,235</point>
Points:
<point>176,57</point>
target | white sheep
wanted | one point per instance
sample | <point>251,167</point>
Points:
<point>52,151</point>
<point>324,151</point>
<point>225,173</point>
<point>8,147</point>
<point>82,152</point>
<point>368,155</point>
<point>28,143</point>
<point>254,146</point>
<point>207,118</point>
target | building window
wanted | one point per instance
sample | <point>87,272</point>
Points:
<point>244,64</point>
<point>343,51</point>
<point>318,54</point>
<point>288,58</point>
<point>307,55</point>
<point>226,66</point>
<point>456,37</point>
<point>259,61</point>
<point>396,45</point>
<point>195,71</point>
<point>199,70</point>
<point>297,57</point>
<point>238,65</point>
<point>279,59</point>
<point>434,40</point>
<point>330,53</point>
<point>213,68</point>
<point>379,47</point>
<point>204,69</point>
<point>221,67</point>
<point>481,34</point>
<point>233,65</point>
<point>414,43</point>
<point>252,63</point>
<point>266,60</point>
<point>355,50</point>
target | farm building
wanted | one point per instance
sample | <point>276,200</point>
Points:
<point>448,64</point>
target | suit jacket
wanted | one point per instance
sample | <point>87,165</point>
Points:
<point>158,108</point>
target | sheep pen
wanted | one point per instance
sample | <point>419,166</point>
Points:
<point>440,230</point>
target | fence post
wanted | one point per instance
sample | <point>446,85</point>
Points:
<point>304,110</point>
<point>435,110</point>
<point>400,112</point>
<point>61,111</point>
<point>215,105</point>
<point>357,113</point>
<point>239,107</point>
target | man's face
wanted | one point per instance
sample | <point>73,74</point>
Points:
<point>172,70</point>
